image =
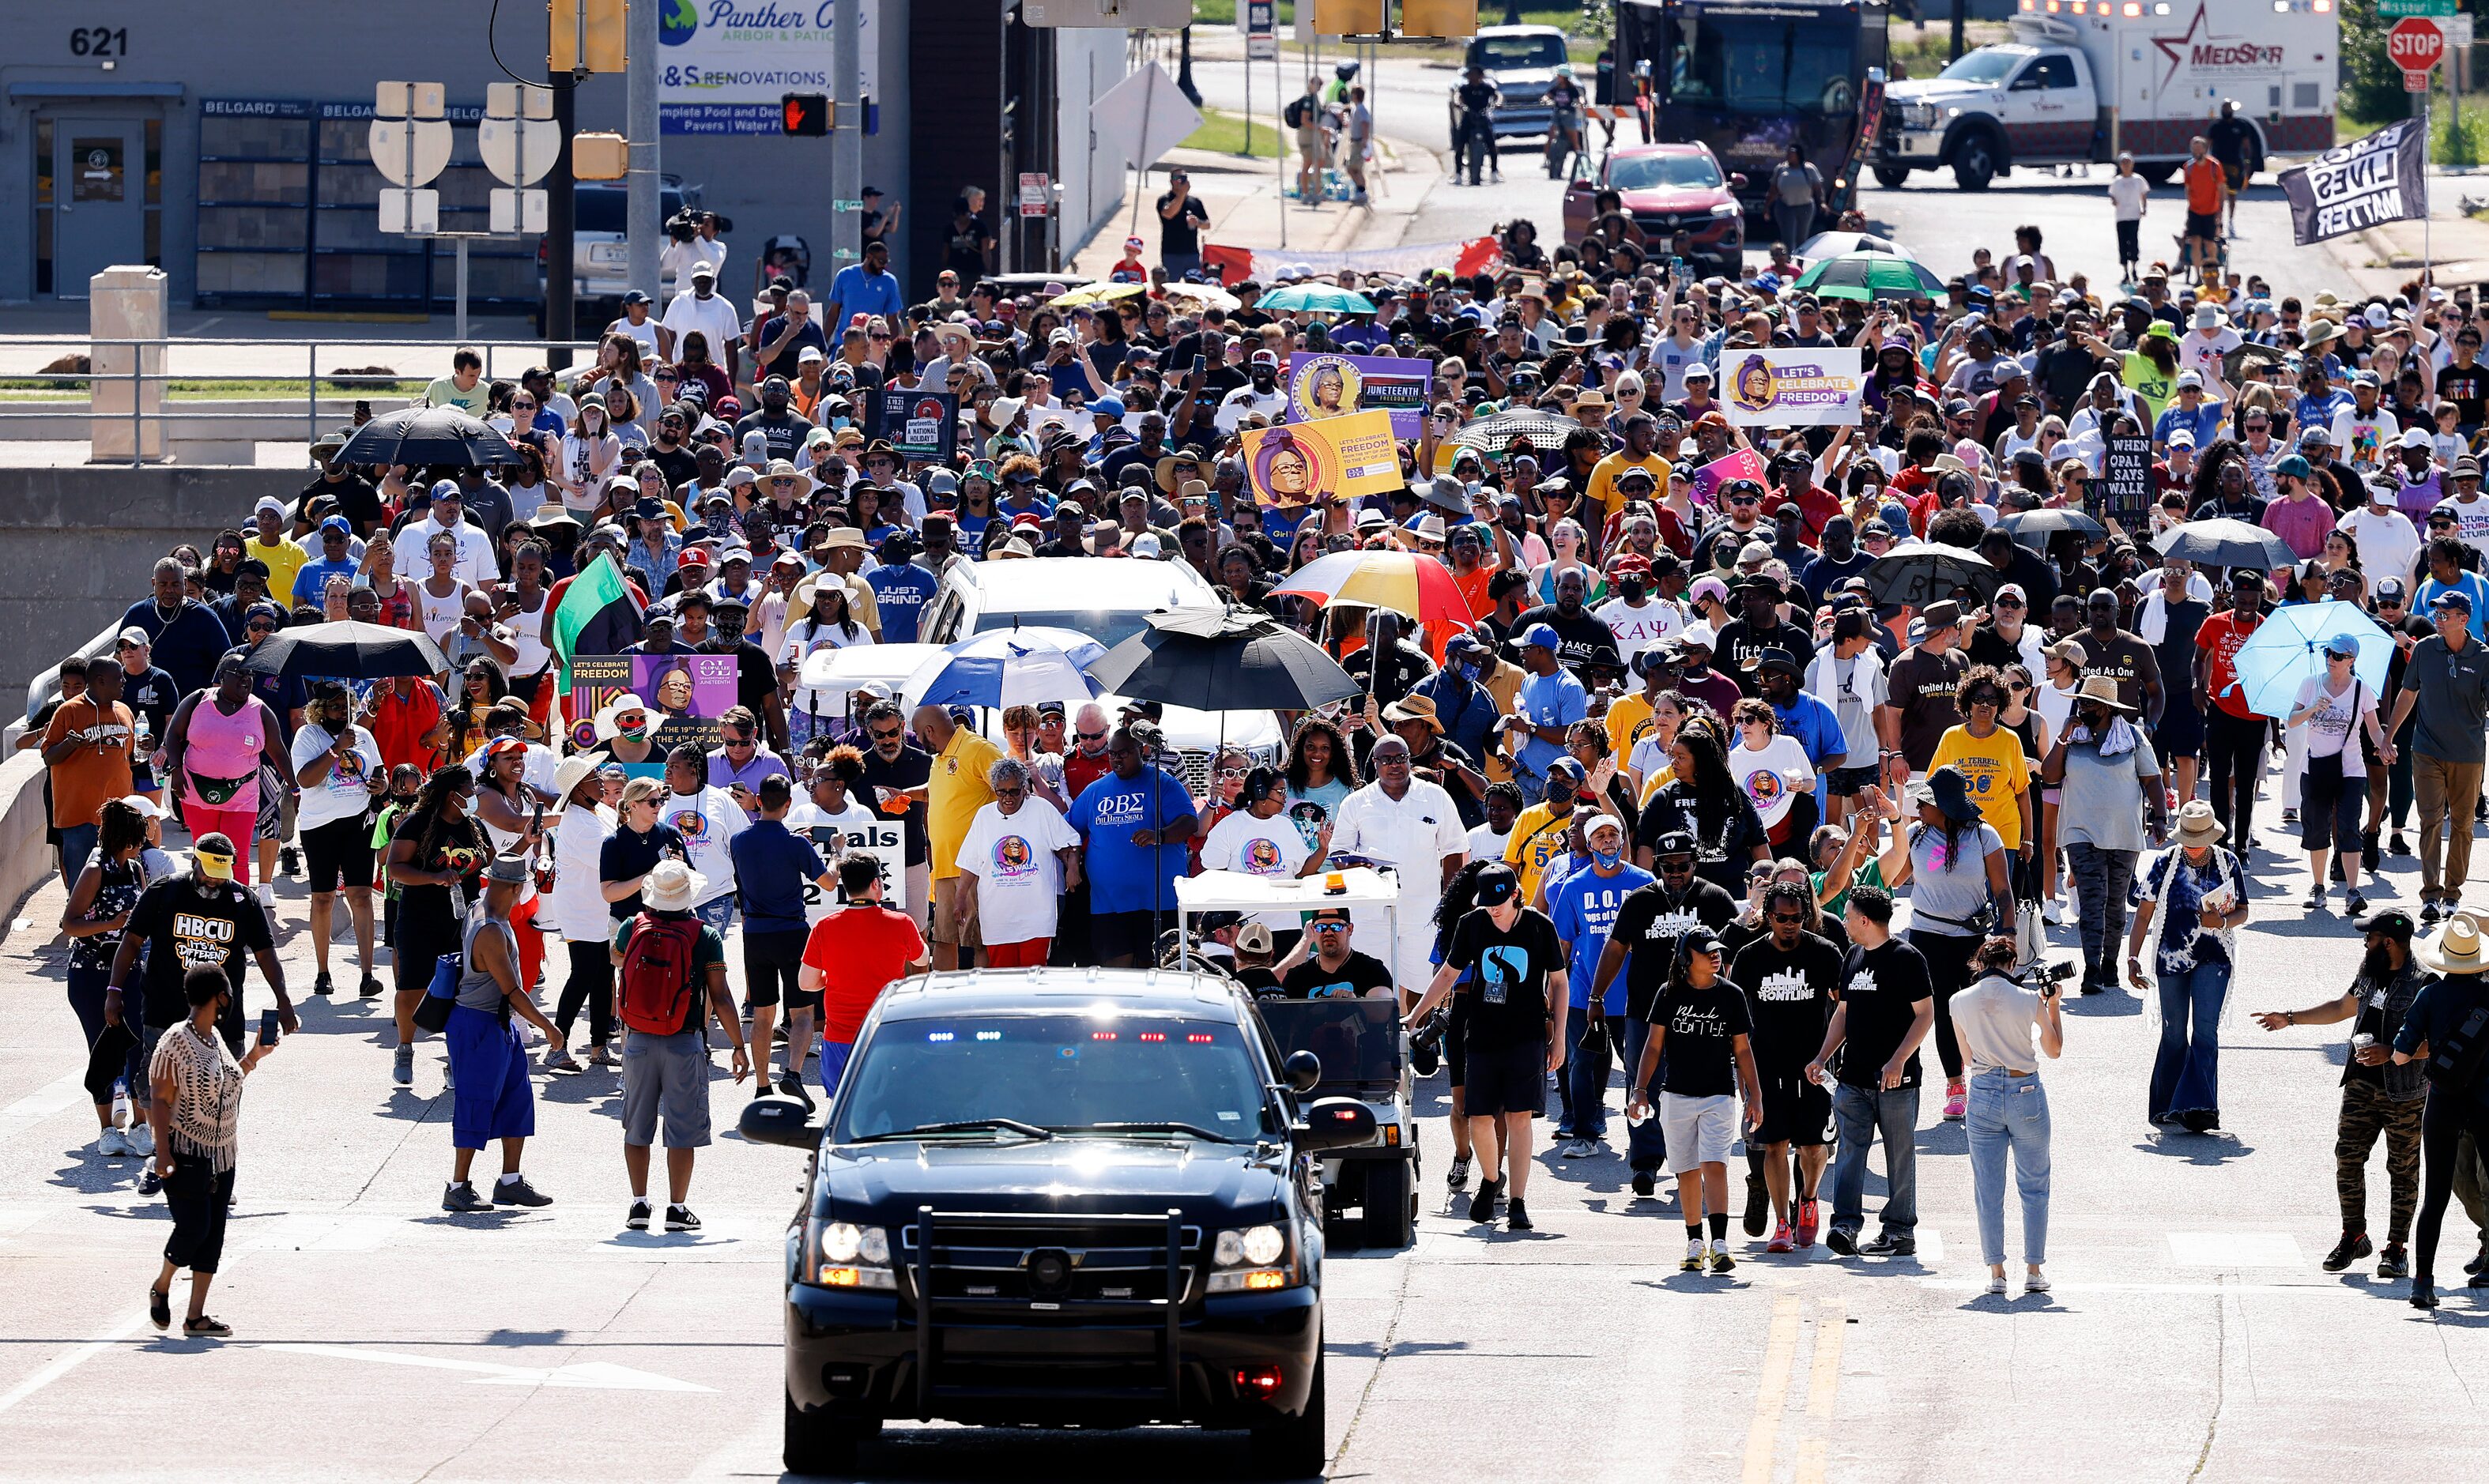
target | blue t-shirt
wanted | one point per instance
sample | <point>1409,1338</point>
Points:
<point>1123,876</point>
<point>1554,699</point>
<point>1813,726</point>
<point>311,583</point>
<point>2206,421</point>
<point>2468,583</point>
<point>901,591</point>
<point>771,865</point>
<point>858,292</point>
<point>1584,907</point>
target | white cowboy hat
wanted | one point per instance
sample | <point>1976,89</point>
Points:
<point>574,770</point>
<point>672,887</point>
<point>2457,948</point>
<point>2197,825</point>
<point>626,701</point>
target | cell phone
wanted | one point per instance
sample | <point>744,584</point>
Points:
<point>1200,364</point>
<point>535,817</point>
<point>268,1027</point>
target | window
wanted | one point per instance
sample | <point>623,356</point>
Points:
<point>2056,72</point>
<point>1760,66</point>
<point>1663,172</point>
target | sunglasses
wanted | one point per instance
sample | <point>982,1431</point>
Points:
<point>1329,927</point>
<point>1090,736</point>
<point>1788,917</point>
<point>742,742</point>
<point>892,736</point>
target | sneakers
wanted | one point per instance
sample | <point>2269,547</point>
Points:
<point>460,1195</point>
<point>1886,1245</point>
<point>638,1219</point>
<point>2395,1261</point>
<point>322,984</point>
<point>149,1182</point>
<point>2315,897</point>
<point>268,894</point>
<point>2356,907</point>
<point>370,988</point>
<point>1457,1178</point>
<point>141,1140</point>
<point>2429,912</point>
<point>1483,1205</point>
<point>1807,1224</point>
<point>1579,1148</point>
<point>1516,1216</point>
<point>402,1067</point>
<point>1957,1097</point>
<point>679,1218</point>
<point>1782,1240</point>
<point>1645,1183</point>
<point>112,1144</point>
<point>448,1076</point>
<point>2399,846</point>
<point>1759,1205</point>
<point>2290,816</point>
<point>1694,1255</point>
<point>1842,1242</point>
<point>2034,1283</point>
<point>1721,1261</point>
<point>514,1190</point>
<point>2053,912</point>
<point>793,1086</point>
<point>1996,1284</point>
<point>289,861</point>
<point>2370,857</point>
<point>2353,1247</point>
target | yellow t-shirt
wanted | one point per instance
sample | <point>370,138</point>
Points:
<point>958,790</point>
<point>285,562</point>
<point>1603,491</point>
<point>1537,838</point>
<point>1998,774</point>
<point>1628,721</point>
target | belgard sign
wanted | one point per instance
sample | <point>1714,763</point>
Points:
<point>2380,178</point>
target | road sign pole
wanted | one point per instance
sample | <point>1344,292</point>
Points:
<point>645,206</point>
<point>560,311</point>
<point>847,145</point>
<point>461,285</point>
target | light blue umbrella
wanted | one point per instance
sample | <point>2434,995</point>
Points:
<point>1315,298</point>
<point>2289,647</point>
<point>1008,667</point>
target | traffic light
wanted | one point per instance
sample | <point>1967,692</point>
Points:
<point>1439,18</point>
<point>1348,17</point>
<point>587,35</point>
<point>807,114</point>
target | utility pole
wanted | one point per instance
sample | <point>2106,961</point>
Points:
<point>1960,8</point>
<point>561,316</point>
<point>645,206</point>
<point>847,143</point>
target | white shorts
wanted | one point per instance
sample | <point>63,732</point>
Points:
<point>1698,1130</point>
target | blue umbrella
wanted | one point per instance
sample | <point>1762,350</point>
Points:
<point>2288,647</point>
<point>1008,667</point>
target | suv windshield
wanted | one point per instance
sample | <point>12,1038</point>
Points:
<point>1511,53</point>
<point>1052,1071</point>
<point>1988,64</point>
<point>1663,172</point>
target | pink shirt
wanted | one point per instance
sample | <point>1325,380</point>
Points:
<point>2301,523</point>
<point>225,748</point>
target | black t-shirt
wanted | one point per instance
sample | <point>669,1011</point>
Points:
<point>1580,640</point>
<point>1726,831</point>
<point>1792,999</point>
<point>1405,669</point>
<point>1883,986</point>
<point>357,500</point>
<point>1177,234</point>
<point>2468,389</point>
<point>785,430</point>
<point>1741,644</point>
<point>153,695</point>
<point>1507,996</point>
<point>185,930</point>
<point>913,770</point>
<point>1703,1025</point>
<point>1359,974</point>
<point>679,464</point>
<point>1648,926</point>
<point>1922,687</point>
<point>628,854</point>
<point>1988,647</point>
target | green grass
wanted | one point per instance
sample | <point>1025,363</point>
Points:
<point>1229,133</point>
<point>36,390</point>
<point>1584,45</point>
<point>1924,50</point>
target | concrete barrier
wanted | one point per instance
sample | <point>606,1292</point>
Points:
<point>25,861</point>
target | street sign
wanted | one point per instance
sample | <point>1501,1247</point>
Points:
<point>515,213</point>
<point>2415,44</point>
<point>1261,30</point>
<point>2387,10</point>
<point>414,211</point>
<point>410,152</point>
<point>2416,82</point>
<point>518,150</point>
<point>1036,194</point>
<point>408,101</point>
<point>2458,31</point>
<point>517,101</point>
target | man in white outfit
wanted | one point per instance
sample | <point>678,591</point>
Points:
<point>1409,825</point>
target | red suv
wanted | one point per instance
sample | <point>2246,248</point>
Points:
<point>1668,189</point>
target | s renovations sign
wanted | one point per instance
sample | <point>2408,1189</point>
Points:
<point>724,66</point>
<point>2380,178</point>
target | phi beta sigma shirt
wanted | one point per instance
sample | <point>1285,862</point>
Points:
<point>1123,876</point>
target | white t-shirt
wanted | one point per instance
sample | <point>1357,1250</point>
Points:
<point>1638,629</point>
<point>2389,543</point>
<point>644,333</point>
<point>2202,352</point>
<point>1271,847</point>
<point>805,638</point>
<point>2328,731</point>
<point>475,564</point>
<point>345,793</point>
<point>1485,844</point>
<point>713,317</point>
<point>707,820</point>
<point>1244,402</point>
<point>2471,523</point>
<point>1019,878</point>
<point>1771,776</point>
<point>2128,195</point>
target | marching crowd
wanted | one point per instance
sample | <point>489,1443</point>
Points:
<point>1714,700</point>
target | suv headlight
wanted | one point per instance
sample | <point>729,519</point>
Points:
<point>1250,1260</point>
<point>1727,209</point>
<point>845,1255</point>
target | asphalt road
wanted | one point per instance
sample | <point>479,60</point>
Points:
<point>2190,1335</point>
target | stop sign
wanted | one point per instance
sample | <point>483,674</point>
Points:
<point>2415,44</point>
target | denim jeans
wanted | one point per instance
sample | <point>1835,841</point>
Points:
<point>1586,1077</point>
<point>78,843</point>
<point>2187,1071</point>
<point>1859,1117</point>
<point>1646,1147</point>
<point>2008,1113</point>
<point>2101,880</point>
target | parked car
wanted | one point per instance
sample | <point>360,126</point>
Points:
<point>1669,189</point>
<point>1521,61</point>
<point>600,248</point>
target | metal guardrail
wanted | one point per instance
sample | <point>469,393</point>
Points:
<point>138,376</point>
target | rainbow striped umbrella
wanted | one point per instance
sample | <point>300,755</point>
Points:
<point>1420,587</point>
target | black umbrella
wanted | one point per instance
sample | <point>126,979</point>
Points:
<point>347,650</point>
<point>1491,435</point>
<point>1917,573</point>
<point>2034,527</point>
<point>428,435</point>
<point>2227,543</point>
<point>1231,660</point>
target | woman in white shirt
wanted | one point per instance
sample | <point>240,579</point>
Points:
<point>1773,770</point>
<point>575,906</point>
<point>1015,864</point>
<point>440,599</point>
<point>829,625</point>
<point>1259,839</point>
<point>589,453</point>
<point>2334,785</point>
<point>2008,1112</point>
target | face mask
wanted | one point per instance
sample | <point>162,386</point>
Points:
<point>1470,669</point>
<point>1607,860</point>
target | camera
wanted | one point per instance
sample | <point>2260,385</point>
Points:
<point>1426,1041</point>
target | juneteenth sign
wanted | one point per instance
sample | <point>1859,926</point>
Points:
<point>2380,178</point>
<point>1785,388</point>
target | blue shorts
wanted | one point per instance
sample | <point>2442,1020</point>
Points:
<point>494,1098</point>
<point>834,1064</point>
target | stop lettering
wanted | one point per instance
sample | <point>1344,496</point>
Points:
<point>2415,44</point>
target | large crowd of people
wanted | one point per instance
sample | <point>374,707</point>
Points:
<point>1691,816</point>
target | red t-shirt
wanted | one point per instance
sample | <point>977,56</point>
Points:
<point>1080,770</point>
<point>2206,184</point>
<point>859,950</point>
<point>2221,636</point>
<point>399,725</point>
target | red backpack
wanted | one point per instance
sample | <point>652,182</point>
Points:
<point>657,973</point>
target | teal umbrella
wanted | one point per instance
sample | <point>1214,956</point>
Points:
<point>2288,647</point>
<point>1317,299</point>
<point>1870,275</point>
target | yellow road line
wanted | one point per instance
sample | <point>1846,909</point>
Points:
<point>1780,1359</point>
<point>1823,1384</point>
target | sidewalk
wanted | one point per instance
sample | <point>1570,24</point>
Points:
<point>2381,260</point>
<point>1247,210</point>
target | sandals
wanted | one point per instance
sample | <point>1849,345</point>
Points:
<point>206,1326</point>
<point>159,1309</point>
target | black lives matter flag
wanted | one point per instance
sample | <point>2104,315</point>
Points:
<point>2364,183</point>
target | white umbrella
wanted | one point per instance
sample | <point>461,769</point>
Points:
<point>1840,244</point>
<point>1008,667</point>
<point>845,670</point>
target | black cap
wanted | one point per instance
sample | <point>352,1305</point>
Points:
<point>1496,885</point>
<point>2394,922</point>
<point>1674,842</point>
<point>1702,940</point>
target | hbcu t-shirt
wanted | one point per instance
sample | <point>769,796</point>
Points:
<point>185,930</point>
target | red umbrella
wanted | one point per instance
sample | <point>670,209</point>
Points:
<point>1418,587</point>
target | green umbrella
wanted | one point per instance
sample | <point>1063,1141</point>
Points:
<point>1316,298</point>
<point>1870,275</point>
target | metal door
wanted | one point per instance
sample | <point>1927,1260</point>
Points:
<point>100,191</point>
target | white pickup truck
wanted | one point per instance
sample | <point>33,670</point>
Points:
<point>2083,80</point>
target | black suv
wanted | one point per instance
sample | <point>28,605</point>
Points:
<point>1059,1196</point>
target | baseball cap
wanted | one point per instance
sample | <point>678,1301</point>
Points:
<point>1496,885</point>
<point>134,637</point>
<point>1541,636</point>
<point>2454,598</point>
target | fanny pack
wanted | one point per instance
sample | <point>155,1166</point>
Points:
<point>217,792</point>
